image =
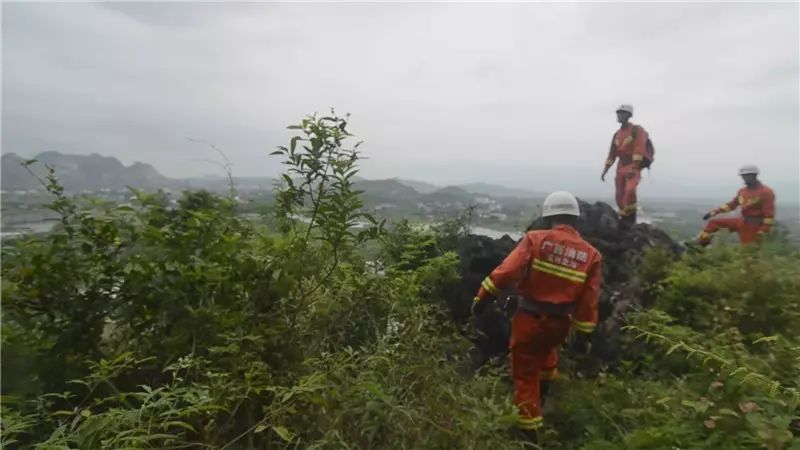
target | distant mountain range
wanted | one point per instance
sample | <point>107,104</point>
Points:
<point>490,190</point>
<point>493,190</point>
<point>95,172</point>
<point>80,172</point>
<point>419,186</point>
<point>395,194</point>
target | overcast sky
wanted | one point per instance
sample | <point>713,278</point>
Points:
<point>517,94</point>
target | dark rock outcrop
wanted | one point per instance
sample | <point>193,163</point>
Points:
<point>622,253</point>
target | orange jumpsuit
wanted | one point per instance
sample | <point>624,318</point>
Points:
<point>630,155</point>
<point>758,215</point>
<point>557,274</point>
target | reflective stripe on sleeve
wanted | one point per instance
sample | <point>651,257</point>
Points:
<point>489,286</point>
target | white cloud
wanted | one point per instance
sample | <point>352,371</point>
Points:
<point>521,94</point>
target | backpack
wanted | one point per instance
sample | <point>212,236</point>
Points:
<point>649,150</point>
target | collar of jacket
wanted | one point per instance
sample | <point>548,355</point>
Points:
<point>563,227</point>
<point>754,187</point>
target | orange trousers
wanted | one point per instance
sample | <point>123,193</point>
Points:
<point>625,182</point>
<point>535,341</point>
<point>748,232</point>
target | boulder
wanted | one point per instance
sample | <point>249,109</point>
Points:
<point>622,252</point>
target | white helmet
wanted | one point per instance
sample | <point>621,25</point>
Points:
<point>560,202</point>
<point>627,108</point>
<point>749,169</point>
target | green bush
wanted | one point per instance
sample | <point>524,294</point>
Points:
<point>170,326</point>
<point>715,363</point>
<point>176,326</point>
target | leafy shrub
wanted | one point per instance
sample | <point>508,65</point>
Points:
<point>164,325</point>
<point>714,364</point>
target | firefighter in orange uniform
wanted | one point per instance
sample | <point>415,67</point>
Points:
<point>557,276</point>
<point>629,144</point>
<point>758,210</point>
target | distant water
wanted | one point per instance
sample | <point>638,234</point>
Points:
<point>44,227</point>
<point>27,228</point>
<point>495,234</point>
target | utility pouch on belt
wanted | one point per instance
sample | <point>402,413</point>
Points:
<point>546,308</point>
<point>753,220</point>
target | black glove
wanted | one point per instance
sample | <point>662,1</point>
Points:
<point>710,214</point>
<point>479,306</point>
<point>583,343</point>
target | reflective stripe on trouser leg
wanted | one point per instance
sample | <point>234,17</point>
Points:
<point>525,368</point>
<point>532,423</point>
<point>728,223</point>
<point>619,191</point>
<point>629,196</point>
<point>748,232</point>
<point>534,345</point>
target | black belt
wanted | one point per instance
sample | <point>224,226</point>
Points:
<point>538,307</point>
<point>753,220</point>
<point>625,160</point>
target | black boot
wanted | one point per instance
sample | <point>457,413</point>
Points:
<point>693,246</point>
<point>544,390</point>
<point>627,221</point>
<point>530,437</point>
<point>624,224</point>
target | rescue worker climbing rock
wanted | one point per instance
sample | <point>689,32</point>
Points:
<point>758,211</point>
<point>629,144</point>
<point>557,277</point>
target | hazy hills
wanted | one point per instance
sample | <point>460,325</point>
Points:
<point>81,172</point>
<point>96,172</point>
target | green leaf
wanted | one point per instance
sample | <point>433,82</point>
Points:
<point>663,400</point>
<point>765,339</point>
<point>285,434</point>
<point>184,425</point>
<point>293,144</point>
<point>674,347</point>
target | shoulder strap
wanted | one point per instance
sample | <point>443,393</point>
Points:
<point>528,265</point>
